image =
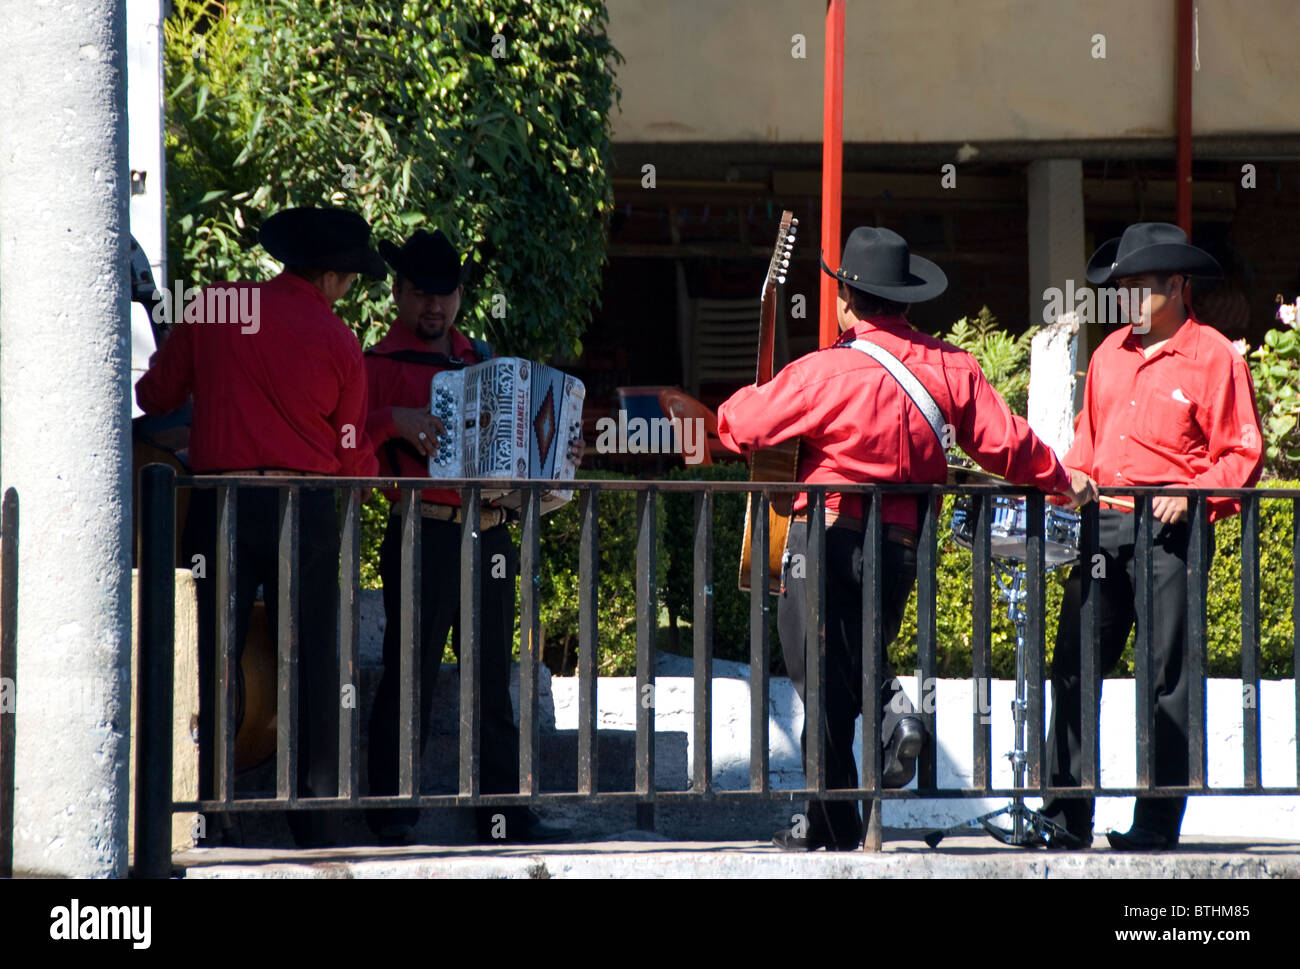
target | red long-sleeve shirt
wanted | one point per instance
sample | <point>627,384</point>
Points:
<point>856,424</point>
<point>394,383</point>
<point>1183,416</point>
<point>286,390</point>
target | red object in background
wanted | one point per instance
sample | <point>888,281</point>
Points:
<point>832,163</point>
<point>678,403</point>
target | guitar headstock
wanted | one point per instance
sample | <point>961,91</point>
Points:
<point>780,262</point>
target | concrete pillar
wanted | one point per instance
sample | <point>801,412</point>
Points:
<point>1056,242</point>
<point>64,419</point>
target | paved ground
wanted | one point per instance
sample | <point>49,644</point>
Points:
<point>640,855</point>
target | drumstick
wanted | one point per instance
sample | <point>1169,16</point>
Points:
<point>1120,502</point>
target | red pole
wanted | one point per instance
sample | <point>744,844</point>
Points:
<point>832,163</point>
<point>1183,79</point>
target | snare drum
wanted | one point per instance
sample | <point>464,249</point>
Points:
<point>1008,532</point>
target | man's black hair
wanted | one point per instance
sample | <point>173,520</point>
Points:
<point>866,305</point>
<point>309,273</point>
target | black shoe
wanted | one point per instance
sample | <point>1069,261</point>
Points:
<point>1066,836</point>
<point>1141,839</point>
<point>1068,840</point>
<point>786,840</point>
<point>899,763</point>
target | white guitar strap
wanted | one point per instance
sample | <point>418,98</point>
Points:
<point>907,380</point>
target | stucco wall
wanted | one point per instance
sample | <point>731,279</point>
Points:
<point>943,70</point>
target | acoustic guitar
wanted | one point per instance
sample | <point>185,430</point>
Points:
<point>781,462</point>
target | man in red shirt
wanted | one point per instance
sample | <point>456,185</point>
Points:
<point>278,388</point>
<point>856,424</point>
<point>1168,401</point>
<point>427,288</point>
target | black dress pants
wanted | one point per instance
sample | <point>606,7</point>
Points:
<point>257,563</point>
<point>440,614</point>
<point>838,822</point>
<point>1117,589</point>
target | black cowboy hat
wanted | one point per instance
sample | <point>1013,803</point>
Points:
<point>429,260</point>
<point>877,261</point>
<point>322,239</point>
<point>1150,247</point>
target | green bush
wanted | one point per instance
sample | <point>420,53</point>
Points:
<point>1003,358</point>
<point>675,543</point>
<point>1223,608</point>
<point>1275,370</point>
<point>677,539</point>
<point>616,590</point>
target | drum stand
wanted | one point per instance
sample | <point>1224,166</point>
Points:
<point>1029,829</point>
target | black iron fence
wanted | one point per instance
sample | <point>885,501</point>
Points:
<point>8,673</point>
<point>157,585</point>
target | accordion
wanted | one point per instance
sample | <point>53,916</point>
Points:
<point>507,418</point>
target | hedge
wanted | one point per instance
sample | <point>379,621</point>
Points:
<point>675,549</point>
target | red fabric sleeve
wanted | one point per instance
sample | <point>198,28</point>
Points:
<point>1001,442</point>
<point>1235,440</point>
<point>169,380</point>
<point>358,461</point>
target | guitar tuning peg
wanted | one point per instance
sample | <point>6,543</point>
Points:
<point>780,279</point>
<point>793,223</point>
<point>785,263</point>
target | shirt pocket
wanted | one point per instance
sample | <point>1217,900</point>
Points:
<point>1168,415</point>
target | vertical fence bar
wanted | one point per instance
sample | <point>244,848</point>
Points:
<point>408,690</point>
<point>530,632</point>
<point>927,599</point>
<point>702,628</point>
<point>1143,695</point>
<point>350,642</point>
<point>8,673</point>
<point>815,644</point>
<point>157,612</point>
<point>872,637</point>
<point>224,661</point>
<point>588,606</point>
<point>286,720</point>
<point>471,641</point>
<point>1035,637</point>
<point>1295,621</point>
<point>759,606</point>
<point>1090,582</point>
<point>1198,567</point>
<point>647,615</point>
<point>1250,638</point>
<point>981,642</point>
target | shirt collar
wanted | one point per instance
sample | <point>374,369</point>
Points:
<point>301,288</point>
<point>401,338</point>
<point>1185,341</point>
<point>894,323</point>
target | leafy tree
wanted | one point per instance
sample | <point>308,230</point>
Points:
<point>489,120</point>
<point>1003,358</point>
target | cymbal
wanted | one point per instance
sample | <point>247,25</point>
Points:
<point>960,475</point>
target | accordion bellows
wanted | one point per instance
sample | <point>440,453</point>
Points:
<point>507,418</point>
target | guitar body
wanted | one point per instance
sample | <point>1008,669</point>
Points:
<point>781,462</point>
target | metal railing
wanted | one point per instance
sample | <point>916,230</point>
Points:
<point>157,564</point>
<point>8,674</point>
